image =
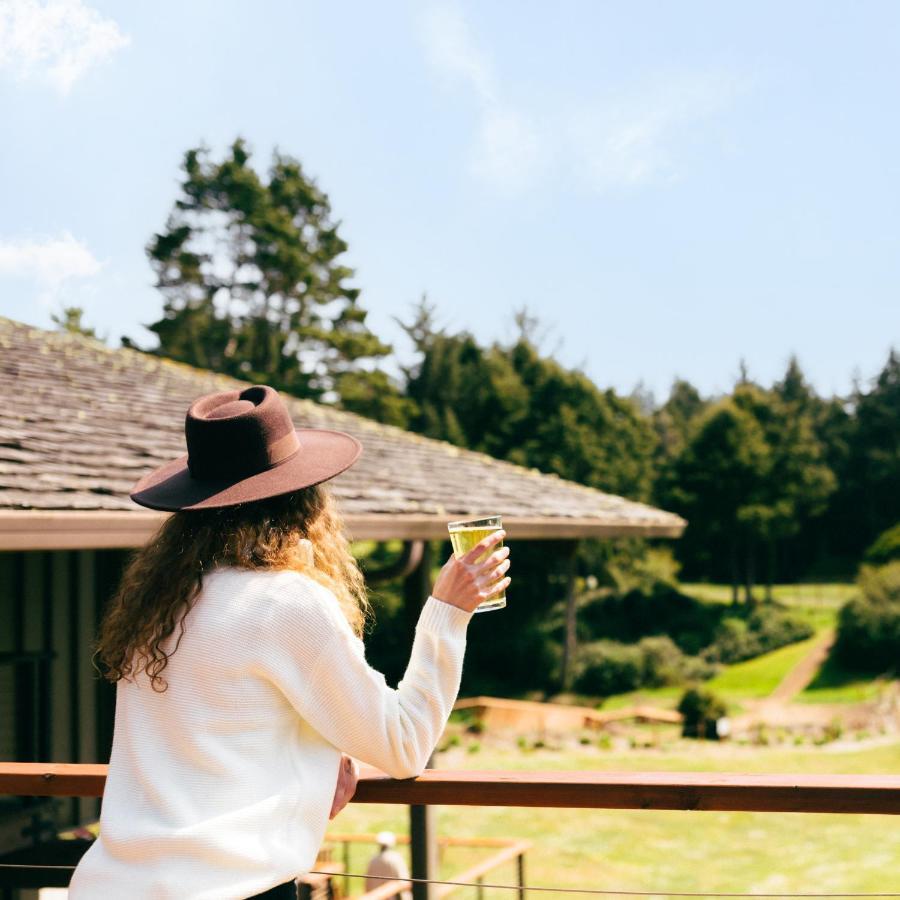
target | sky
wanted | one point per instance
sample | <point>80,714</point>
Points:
<point>669,187</point>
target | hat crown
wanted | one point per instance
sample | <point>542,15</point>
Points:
<point>235,434</point>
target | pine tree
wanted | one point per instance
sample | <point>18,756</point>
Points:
<point>254,284</point>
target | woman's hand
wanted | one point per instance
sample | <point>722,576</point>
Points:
<point>348,775</point>
<point>465,583</point>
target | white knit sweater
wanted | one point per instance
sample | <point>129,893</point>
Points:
<point>220,787</point>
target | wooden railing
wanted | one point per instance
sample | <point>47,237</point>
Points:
<point>858,794</point>
<point>574,790</point>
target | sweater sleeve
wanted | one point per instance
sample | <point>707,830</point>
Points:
<point>320,666</point>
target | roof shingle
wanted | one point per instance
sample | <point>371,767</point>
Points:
<point>81,422</point>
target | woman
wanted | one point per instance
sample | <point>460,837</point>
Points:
<point>240,673</point>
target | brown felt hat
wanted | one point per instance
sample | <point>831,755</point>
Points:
<point>242,446</point>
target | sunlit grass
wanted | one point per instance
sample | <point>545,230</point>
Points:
<point>670,850</point>
<point>829,594</point>
<point>759,676</point>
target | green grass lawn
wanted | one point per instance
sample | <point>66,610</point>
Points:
<point>759,676</point>
<point>752,678</point>
<point>829,595</point>
<point>835,684</point>
<point>818,605</point>
<point>669,850</point>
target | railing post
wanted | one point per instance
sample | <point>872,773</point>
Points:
<point>479,890</point>
<point>423,844</point>
<point>520,875</point>
<point>346,868</point>
<point>422,826</point>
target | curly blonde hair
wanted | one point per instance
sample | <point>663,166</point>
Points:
<point>162,580</point>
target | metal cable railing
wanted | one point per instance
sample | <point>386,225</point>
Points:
<point>399,884</point>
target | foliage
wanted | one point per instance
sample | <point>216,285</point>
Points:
<point>775,482</point>
<point>885,548</point>
<point>630,564</point>
<point>690,623</point>
<point>516,404</point>
<point>254,284</point>
<point>701,710</point>
<point>868,637</point>
<point>751,471</point>
<point>765,629</point>
<point>874,463</point>
<point>608,667</point>
<point>71,320</point>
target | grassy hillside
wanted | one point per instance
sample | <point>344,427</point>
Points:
<point>670,851</point>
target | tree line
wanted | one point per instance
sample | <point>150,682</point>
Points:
<point>777,482</point>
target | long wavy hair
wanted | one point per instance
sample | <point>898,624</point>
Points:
<point>162,580</point>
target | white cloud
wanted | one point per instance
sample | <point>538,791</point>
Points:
<point>508,150</point>
<point>627,138</point>
<point>50,262</point>
<point>451,48</point>
<point>56,42</point>
<point>637,137</point>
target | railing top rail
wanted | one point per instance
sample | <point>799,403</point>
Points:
<point>555,789</point>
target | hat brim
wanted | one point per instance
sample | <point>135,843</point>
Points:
<point>323,454</point>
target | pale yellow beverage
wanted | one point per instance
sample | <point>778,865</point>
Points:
<point>464,535</point>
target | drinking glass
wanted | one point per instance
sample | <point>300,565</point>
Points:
<point>464,535</point>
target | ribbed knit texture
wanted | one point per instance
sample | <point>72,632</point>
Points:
<point>220,787</point>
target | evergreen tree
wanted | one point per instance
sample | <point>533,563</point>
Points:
<point>71,320</point>
<point>254,285</point>
<point>799,482</point>
<point>719,483</point>
<point>871,485</point>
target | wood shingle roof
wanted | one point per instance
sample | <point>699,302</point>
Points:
<point>80,422</point>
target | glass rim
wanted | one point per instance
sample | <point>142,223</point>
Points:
<point>481,521</point>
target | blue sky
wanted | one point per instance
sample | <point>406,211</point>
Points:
<point>670,187</point>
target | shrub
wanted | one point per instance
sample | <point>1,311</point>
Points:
<point>610,667</point>
<point>607,667</point>
<point>885,548</point>
<point>662,661</point>
<point>868,637</point>
<point>661,610</point>
<point>701,710</point>
<point>767,628</point>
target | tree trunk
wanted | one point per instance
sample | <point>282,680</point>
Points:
<point>749,573</point>
<point>570,642</point>
<point>733,559</point>
<point>770,568</point>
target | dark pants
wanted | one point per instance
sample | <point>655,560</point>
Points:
<point>286,891</point>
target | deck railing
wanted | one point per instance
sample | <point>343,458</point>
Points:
<point>556,789</point>
<point>856,794</point>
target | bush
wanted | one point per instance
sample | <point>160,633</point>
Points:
<point>662,661</point>
<point>661,610</point>
<point>868,637</point>
<point>701,710</point>
<point>767,628</point>
<point>885,548</point>
<point>607,667</point>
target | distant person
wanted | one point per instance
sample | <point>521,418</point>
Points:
<point>242,687</point>
<point>388,864</point>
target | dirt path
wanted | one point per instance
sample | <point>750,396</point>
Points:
<point>804,672</point>
<point>775,709</point>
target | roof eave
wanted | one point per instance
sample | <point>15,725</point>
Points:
<point>27,529</point>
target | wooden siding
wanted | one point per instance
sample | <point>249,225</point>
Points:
<point>53,703</point>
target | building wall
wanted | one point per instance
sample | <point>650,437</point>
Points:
<point>54,706</point>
